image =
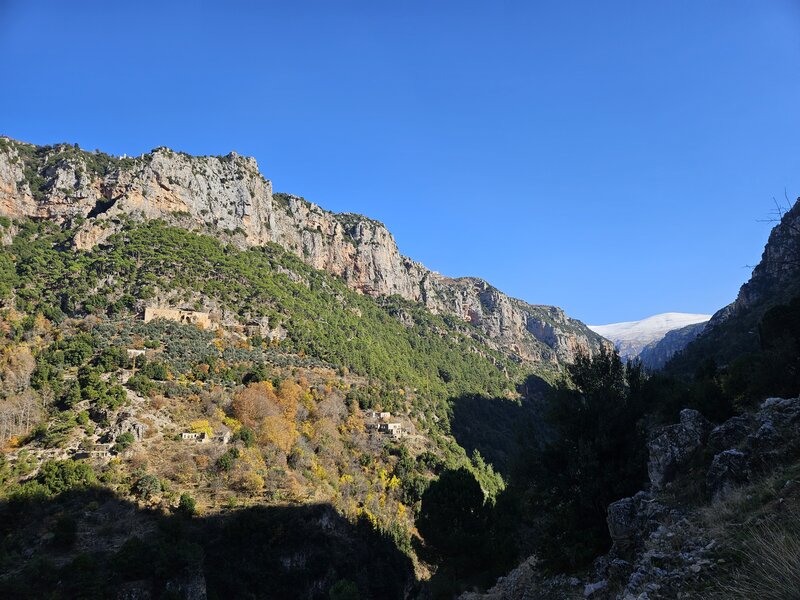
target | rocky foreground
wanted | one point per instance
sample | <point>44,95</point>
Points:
<point>712,490</point>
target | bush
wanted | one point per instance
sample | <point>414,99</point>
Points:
<point>62,475</point>
<point>225,462</point>
<point>147,486</point>
<point>453,517</point>
<point>112,358</point>
<point>155,370</point>
<point>246,435</point>
<point>187,505</point>
<point>123,442</point>
<point>595,455</point>
<point>77,350</point>
<point>141,384</point>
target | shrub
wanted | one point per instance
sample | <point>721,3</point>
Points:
<point>225,462</point>
<point>111,358</point>
<point>155,370</point>
<point>65,532</point>
<point>453,517</point>
<point>61,475</point>
<point>141,384</point>
<point>246,435</point>
<point>595,455</point>
<point>78,350</point>
<point>187,505</point>
<point>147,486</point>
<point>123,442</point>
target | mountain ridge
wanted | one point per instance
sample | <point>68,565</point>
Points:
<point>632,337</point>
<point>734,329</point>
<point>229,194</point>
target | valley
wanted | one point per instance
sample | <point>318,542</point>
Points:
<point>212,390</point>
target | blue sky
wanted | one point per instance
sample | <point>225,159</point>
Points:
<point>613,158</point>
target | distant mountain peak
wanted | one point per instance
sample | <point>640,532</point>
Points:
<point>630,337</point>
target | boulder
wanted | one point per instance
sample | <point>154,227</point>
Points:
<point>592,589</point>
<point>631,520</point>
<point>731,433</point>
<point>783,413</point>
<point>675,445</point>
<point>729,469</point>
<point>126,423</point>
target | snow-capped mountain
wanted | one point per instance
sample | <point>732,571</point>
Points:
<point>631,337</point>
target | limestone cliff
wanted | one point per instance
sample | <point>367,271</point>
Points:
<point>733,330</point>
<point>227,194</point>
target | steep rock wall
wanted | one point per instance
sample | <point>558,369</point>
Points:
<point>228,193</point>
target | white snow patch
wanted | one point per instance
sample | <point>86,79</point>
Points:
<point>631,336</point>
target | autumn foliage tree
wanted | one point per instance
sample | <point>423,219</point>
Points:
<point>271,414</point>
<point>254,403</point>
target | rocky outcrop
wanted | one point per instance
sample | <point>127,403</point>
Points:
<point>227,194</point>
<point>666,551</point>
<point>776,273</point>
<point>674,446</point>
<point>663,548</point>
<point>630,519</point>
<point>731,453</point>
<point>734,329</point>
<point>728,470</point>
<point>125,422</point>
<point>775,277</point>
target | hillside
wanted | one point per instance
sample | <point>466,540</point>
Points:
<point>269,405</point>
<point>656,354</point>
<point>92,190</point>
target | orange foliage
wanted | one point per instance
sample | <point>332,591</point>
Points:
<point>279,432</point>
<point>254,403</point>
<point>272,414</point>
<point>289,394</point>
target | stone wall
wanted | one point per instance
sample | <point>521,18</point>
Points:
<point>190,317</point>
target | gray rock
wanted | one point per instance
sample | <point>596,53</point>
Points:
<point>632,520</point>
<point>623,522</point>
<point>731,433</point>
<point>590,589</point>
<point>190,587</point>
<point>126,423</point>
<point>134,590</point>
<point>227,193</point>
<point>675,445</point>
<point>728,470</point>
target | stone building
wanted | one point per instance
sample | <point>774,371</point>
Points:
<point>191,317</point>
<point>393,429</point>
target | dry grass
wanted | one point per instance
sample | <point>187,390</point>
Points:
<point>741,504</point>
<point>770,564</point>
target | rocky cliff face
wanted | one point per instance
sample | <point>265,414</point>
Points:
<point>733,330</point>
<point>776,275</point>
<point>775,278</point>
<point>666,547</point>
<point>228,194</point>
<point>655,355</point>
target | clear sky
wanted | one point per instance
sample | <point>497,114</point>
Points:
<point>613,158</point>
